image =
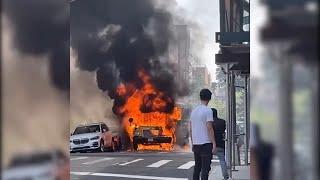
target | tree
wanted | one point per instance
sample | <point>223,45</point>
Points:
<point>221,78</point>
<point>219,97</point>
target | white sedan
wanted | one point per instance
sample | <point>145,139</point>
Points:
<point>92,137</point>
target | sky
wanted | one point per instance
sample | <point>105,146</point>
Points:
<point>259,12</point>
<point>206,15</point>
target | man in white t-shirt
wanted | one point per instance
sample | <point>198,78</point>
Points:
<point>202,136</point>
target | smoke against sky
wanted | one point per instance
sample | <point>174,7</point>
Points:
<point>35,114</point>
<point>35,76</point>
<point>206,16</point>
<point>88,104</point>
<point>93,34</point>
<point>121,39</point>
<point>41,28</point>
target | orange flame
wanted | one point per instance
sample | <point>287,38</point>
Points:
<point>156,115</point>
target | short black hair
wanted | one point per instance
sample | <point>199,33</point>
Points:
<point>214,112</point>
<point>205,95</point>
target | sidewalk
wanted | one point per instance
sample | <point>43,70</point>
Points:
<point>243,173</point>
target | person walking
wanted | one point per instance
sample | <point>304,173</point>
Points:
<point>219,127</point>
<point>202,136</point>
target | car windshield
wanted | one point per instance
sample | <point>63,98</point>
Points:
<point>87,129</point>
<point>151,132</point>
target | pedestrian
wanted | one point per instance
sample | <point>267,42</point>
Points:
<point>261,155</point>
<point>219,127</point>
<point>202,136</point>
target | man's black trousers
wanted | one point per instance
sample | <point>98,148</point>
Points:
<point>202,158</point>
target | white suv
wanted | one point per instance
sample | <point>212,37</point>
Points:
<point>92,137</point>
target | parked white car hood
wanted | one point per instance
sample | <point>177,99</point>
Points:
<point>86,135</point>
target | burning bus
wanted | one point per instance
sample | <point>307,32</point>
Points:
<point>149,116</point>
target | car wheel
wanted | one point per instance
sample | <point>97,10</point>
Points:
<point>101,149</point>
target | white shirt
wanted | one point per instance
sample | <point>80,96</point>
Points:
<point>199,117</point>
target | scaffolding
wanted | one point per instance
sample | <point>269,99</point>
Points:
<point>234,59</point>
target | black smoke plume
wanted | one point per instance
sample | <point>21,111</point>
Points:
<point>42,28</point>
<point>116,38</point>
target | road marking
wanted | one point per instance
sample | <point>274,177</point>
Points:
<point>126,176</point>
<point>187,165</point>
<point>126,163</point>
<point>80,173</point>
<point>78,158</point>
<point>97,161</point>
<point>159,163</point>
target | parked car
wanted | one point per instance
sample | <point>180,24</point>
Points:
<point>96,136</point>
<point>149,135</point>
<point>38,165</point>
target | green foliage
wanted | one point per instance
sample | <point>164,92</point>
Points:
<point>220,102</point>
<point>220,106</point>
<point>221,78</point>
<point>240,104</point>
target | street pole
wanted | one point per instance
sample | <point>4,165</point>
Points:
<point>229,124</point>
<point>315,119</point>
<point>233,119</point>
<point>286,121</point>
<point>247,116</point>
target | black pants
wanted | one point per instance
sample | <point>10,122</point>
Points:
<point>202,158</point>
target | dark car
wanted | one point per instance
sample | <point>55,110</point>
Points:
<point>149,135</point>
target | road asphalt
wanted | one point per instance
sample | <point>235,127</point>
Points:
<point>133,165</point>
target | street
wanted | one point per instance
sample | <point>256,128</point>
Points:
<point>134,165</point>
